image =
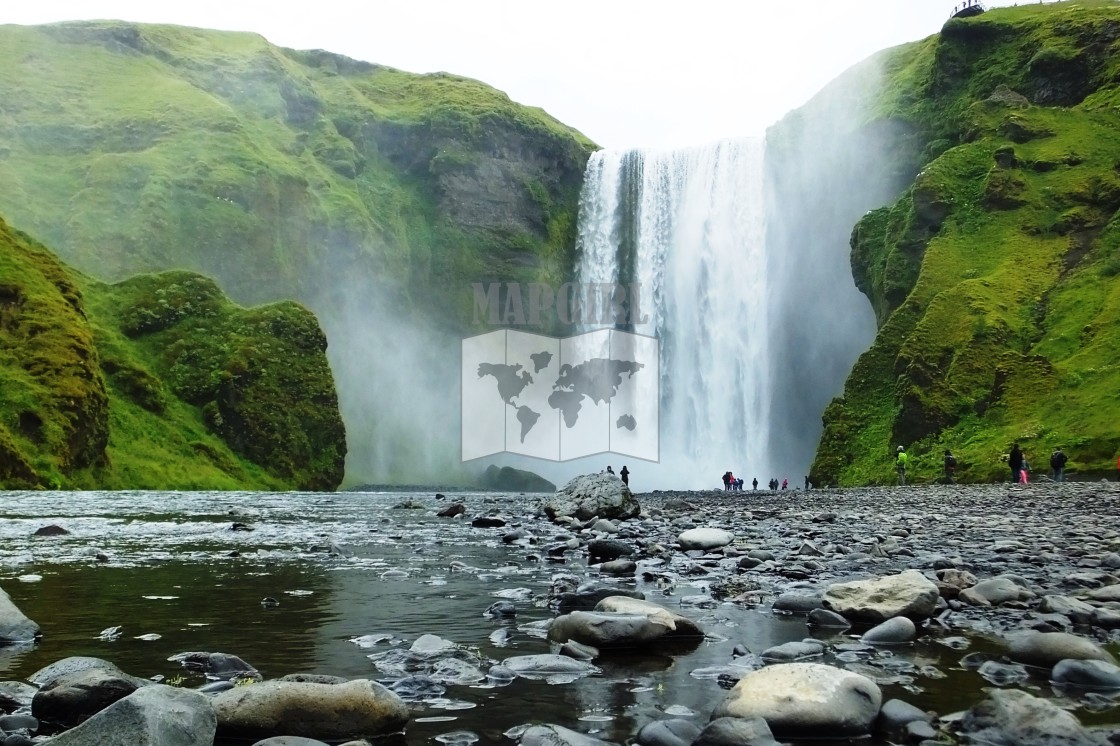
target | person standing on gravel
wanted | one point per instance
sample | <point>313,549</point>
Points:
<point>950,466</point>
<point>1058,465</point>
<point>900,464</point>
<point>1015,461</point>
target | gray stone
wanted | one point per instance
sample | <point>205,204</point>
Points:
<point>805,700</point>
<point>705,538</point>
<point>15,694</point>
<point>895,714</point>
<point>797,603</point>
<point>556,735</point>
<point>733,731</point>
<point>14,625</point>
<point>289,741</point>
<point>546,665</point>
<point>995,591</point>
<point>1046,649</point>
<point>1107,593</point>
<point>607,629</point>
<point>1086,674</point>
<point>827,619</point>
<point>675,732</point>
<point>1011,716</point>
<point>609,549</point>
<point>1076,609</point>
<point>908,594</point>
<point>619,567</point>
<point>591,495</point>
<point>12,723</point>
<point>678,624</point>
<point>312,678</point>
<point>792,651</point>
<point>74,697</point>
<point>891,632</point>
<point>154,715</point>
<point>356,709</point>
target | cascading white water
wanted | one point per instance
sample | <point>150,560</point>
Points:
<point>689,227</point>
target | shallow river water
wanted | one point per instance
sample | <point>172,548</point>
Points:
<point>347,565</point>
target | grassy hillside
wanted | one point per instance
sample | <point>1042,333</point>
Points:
<point>132,148</point>
<point>995,276</point>
<point>158,382</point>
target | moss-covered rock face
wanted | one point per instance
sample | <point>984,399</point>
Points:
<point>158,382</point>
<point>994,276</point>
<point>277,172</point>
<point>54,411</point>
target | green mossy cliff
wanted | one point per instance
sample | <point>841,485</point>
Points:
<point>136,148</point>
<point>995,277</point>
<point>157,382</point>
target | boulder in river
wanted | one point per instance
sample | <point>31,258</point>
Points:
<point>1011,716</point>
<point>590,495</point>
<point>805,700</point>
<point>14,625</point>
<point>603,629</point>
<point>894,631</point>
<point>908,594</point>
<point>1046,649</point>
<point>557,735</point>
<point>73,698</point>
<point>679,625</point>
<point>705,538</point>
<point>154,715</point>
<point>331,712</point>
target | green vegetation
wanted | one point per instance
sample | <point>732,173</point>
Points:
<point>158,382</point>
<point>134,148</point>
<point>994,277</point>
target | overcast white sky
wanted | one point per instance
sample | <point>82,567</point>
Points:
<point>625,73</point>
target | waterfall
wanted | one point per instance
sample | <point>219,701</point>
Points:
<point>689,227</point>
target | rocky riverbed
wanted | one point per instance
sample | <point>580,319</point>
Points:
<point>886,615</point>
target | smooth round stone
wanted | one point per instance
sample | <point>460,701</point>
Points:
<point>792,651</point>
<point>1090,674</point>
<point>1107,593</point>
<point>289,741</point>
<point>705,538</point>
<point>729,731</point>
<point>1046,649</point>
<point>675,732</point>
<point>556,735</point>
<point>805,700</point>
<point>894,631</point>
<point>827,619</point>
<point>895,714</point>
<point>995,591</point>
<point>619,567</point>
<point>797,603</point>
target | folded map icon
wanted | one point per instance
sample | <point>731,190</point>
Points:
<point>560,398</point>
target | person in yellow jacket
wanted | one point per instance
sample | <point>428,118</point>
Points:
<point>900,461</point>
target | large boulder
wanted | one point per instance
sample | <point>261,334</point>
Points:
<point>909,594</point>
<point>154,715</point>
<point>1011,716</point>
<point>14,625</point>
<point>329,712</point>
<point>46,675</point>
<point>75,697</point>
<point>602,629</point>
<point>591,495</point>
<point>679,626</point>
<point>805,700</point>
<point>1046,649</point>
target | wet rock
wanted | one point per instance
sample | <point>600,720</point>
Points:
<point>793,651</point>
<point>1076,610</point>
<point>798,603</point>
<point>705,538</point>
<point>805,700</point>
<point>45,676</point>
<point>238,526</point>
<point>415,688</point>
<point>75,697</point>
<point>551,668</point>
<point>588,599</point>
<point>607,629</point>
<point>1086,674</point>
<point>356,709</point>
<point>313,678</point>
<point>603,526</point>
<point>675,732</point>
<point>590,495</point>
<point>556,735</point>
<point>1011,716</point>
<point>14,723</point>
<point>951,581</point>
<point>51,530</point>
<point>1002,674</point>
<point>455,509</point>
<point>503,609</point>
<point>488,522</point>
<point>735,731</point>
<point>895,714</point>
<point>1107,593</point>
<point>678,625</point>
<point>894,631</point>
<point>14,625</point>
<point>609,549</point>
<point>995,591</point>
<point>154,715</point>
<point>618,567</point>
<point>15,694</point>
<point>827,619</point>
<point>908,594</point>
<point>579,651</point>
<point>217,665</point>
<point>1047,649</point>
<point>290,741</point>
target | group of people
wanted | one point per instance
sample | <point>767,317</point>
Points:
<point>1016,460</point>
<point>624,474</point>
<point>731,483</point>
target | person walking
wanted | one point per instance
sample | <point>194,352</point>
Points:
<point>625,474</point>
<point>727,481</point>
<point>950,466</point>
<point>1025,471</point>
<point>1058,465</point>
<point>1015,461</point>
<point>900,461</point>
<point>754,483</point>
